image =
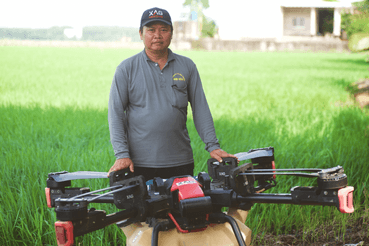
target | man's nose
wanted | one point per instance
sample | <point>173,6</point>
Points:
<point>158,34</point>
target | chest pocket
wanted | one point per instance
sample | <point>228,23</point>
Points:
<point>179,91</point>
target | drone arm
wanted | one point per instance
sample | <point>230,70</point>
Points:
<point>341,198</point>
<point>66,231</point>
<point>98,219</point>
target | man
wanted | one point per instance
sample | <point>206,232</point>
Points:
<point>148,106</point>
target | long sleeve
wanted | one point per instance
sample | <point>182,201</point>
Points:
<point>118,102</point>
<point>201,113</point>
<point>148,111</point>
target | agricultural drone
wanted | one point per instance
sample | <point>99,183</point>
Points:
<point>189,204</point>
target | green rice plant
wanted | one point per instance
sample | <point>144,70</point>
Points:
<point>53,117</point>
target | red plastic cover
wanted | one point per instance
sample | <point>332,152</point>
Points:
<point>187,188</point>
<point>64,233</point>
<point>273,167</point>
<point>345,198</point>
<point>48,198</point>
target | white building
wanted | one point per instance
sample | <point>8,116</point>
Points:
<point>278,19</point>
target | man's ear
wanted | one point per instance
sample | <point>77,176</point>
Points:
<point>140,34</point>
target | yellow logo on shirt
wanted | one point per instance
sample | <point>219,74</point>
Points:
<point>178,76</point>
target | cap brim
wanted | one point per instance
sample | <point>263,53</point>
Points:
<point>149,21</point>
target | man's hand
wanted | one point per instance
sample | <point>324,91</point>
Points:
<point>122,164</point>
<point>218,154</point>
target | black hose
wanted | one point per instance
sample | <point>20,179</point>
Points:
<point>236,230</point>
<point>221,218</point>
<point>160,226</point>
<point>155,234</point>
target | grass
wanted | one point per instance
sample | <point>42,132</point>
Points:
<point>53,117</point>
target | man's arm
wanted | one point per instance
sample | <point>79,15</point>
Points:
<point>201,113</point>
<point>118,103</point>
<point>202,117</point>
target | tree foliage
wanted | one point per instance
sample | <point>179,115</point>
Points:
<point>53,33</point>
<point>362,6</point>
<point>209,28</point>
<point>357,22</point>
<point>356,26</point>
<point>203,3</point>
<point>91,33</point>
<point>359,42</point>
<point>109,33</point>
<point>206,25</point>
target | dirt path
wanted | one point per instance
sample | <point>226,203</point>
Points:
<point>360,90</point>
<point>357,233</point>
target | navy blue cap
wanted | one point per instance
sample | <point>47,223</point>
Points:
<point>155,14</point>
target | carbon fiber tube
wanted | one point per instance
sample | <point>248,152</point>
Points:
<point>266,198</point>
<point>299,197</point>
<point>104,199</point>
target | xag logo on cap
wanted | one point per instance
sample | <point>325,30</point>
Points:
<point>156,14</point>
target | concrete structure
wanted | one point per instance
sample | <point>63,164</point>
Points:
<point>281,18</point>
<point>272,25</point>
<point>312,18</point>
<point>186,30</point>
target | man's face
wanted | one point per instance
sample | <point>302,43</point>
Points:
<point>156,36</point>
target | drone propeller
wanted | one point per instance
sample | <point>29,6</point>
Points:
<point>66,176</point>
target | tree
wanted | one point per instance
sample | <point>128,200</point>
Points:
<point>198,6</point>
<point>357,22</point>
<point>357,26</point>
<point>197,3</point>
<point>362,6</point>
<point>209,28</point>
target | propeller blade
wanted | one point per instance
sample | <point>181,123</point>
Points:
<point>255,154</point>
<point>78,175</point>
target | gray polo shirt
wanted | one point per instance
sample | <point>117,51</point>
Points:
<point>148,111</point>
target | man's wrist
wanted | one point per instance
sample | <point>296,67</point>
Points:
<point>214,147</point>
<point>122,156</point>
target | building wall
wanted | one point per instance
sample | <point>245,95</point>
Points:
<point>322,45</point>
<point>269,19</point>
<point>185,30</point>
<point>260,18</point>
<point>296,21</point>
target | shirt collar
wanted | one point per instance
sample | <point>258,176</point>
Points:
<point>170,55</point>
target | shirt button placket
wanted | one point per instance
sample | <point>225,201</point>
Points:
<point>162,84</point>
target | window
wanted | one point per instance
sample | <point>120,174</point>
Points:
<point>180,26</point>
<point>298,22</point>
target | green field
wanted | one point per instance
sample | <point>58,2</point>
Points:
<point>53,117</point>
